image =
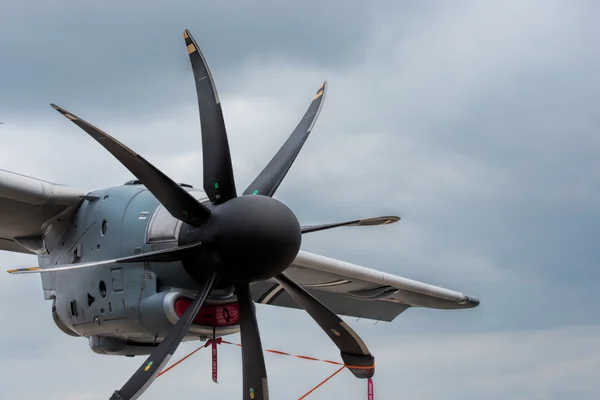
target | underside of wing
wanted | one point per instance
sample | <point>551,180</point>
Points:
<point>356,291</point>
<point>28,206</point>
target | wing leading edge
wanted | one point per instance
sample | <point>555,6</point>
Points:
<point>357,291</point>
<point>28,206</point>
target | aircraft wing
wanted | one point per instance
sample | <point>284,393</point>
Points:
<point>28,206</point>
<point>356,291</point>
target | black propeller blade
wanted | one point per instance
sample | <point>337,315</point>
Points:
<point>353,350</point>
<point>267,182</point>
<point>145,375</point>
<point>165,255</point>
<point>253,361</point>
<point>219,183</point>
<point>173,197</point>
<point>358,222</point>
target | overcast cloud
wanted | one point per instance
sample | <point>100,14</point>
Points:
<point>477,122</point>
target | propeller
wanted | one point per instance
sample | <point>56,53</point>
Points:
<point>253,359</point>
<point>237,240</point>
<point>172,196</point>
<point>357,222</point>
<point>267,182</point>
<point>164,255</point>
<point>219,183</point>
<point>352,349</point>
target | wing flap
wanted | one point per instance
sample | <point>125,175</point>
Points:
<point>267,293</point>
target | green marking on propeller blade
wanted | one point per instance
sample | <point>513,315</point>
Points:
<point>148,366</point>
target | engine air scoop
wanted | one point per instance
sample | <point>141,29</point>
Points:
<point>211,315</point>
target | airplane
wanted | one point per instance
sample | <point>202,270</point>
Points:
<point>140,267</point>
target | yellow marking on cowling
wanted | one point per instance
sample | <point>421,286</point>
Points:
<point>191,48</point>
<point>319,94</point>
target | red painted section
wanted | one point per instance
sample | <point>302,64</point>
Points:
<point>220,315</point>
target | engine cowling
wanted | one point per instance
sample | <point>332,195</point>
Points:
<point>61,325</point>
<point>159,312</point>
<point>119,347</point>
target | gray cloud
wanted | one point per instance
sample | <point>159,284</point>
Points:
<point>476,122</point>
<point>132,57</point>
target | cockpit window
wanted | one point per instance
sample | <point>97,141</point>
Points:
<point>163,227</point>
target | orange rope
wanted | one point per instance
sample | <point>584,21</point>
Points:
<point>322,383</point>
<point>282,353</point>
<point>164,371</point>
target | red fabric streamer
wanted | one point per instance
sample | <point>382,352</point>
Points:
<point>214,361</point>
<point>370,392</point>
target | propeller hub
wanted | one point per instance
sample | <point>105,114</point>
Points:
<point>252,238</point>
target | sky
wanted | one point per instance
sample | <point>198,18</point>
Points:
<point>476,122</point>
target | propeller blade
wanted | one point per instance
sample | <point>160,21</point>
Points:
<point>173,197</point>
<point>148,371</point>
<point>267,182</point>
<point>359,222</point>
<point>353,350</point>
<point>253,360</point>
<point>219,183</point>
<point>165,255</point>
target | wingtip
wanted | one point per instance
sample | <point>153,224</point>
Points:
<point>472,301</point>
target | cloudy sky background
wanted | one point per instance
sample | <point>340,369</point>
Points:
<point>477,122</point>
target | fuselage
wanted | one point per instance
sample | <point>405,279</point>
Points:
<point>126,309</point>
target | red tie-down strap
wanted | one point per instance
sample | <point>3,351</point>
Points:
<point>217,341</point>
<point>214,343</point>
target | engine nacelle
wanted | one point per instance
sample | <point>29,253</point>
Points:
<point>119,347</point>
<point>159,312</point>
<point>61,325</point>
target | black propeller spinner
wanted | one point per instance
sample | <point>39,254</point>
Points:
<point>240,240</point>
